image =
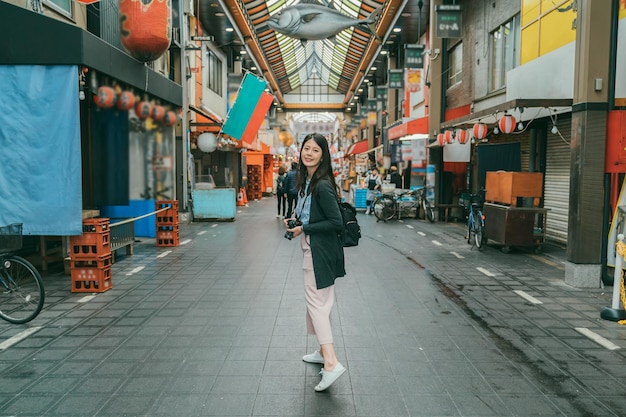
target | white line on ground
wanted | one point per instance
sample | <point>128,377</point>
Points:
<point>214,225</point>
<point>409,226</point>
<point>528,297</point>
<point>164,254</point>
<point>421,233</point>
<point>20,336</point>
<point>486,271</point>
<point>458,255</point>
<point>184,242</point>
<point>86,298</point>
<point>597,338</point>
<point>202,232</point>
<point>435,242</point>
<point>139,268</point>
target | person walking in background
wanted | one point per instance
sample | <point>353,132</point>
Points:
<point>395,177</point>
<point>281,191</point>
<point>291,188</point>
<point>318,221</point>
<point>374,184</point>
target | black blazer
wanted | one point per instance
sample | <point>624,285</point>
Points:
<point>325,224</point>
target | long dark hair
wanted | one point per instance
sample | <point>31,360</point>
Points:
<point>323,172</point>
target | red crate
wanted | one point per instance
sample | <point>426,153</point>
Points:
<point>172,204</point>
<point>168,228</point>
<point>89,251</point>
<point>91,279</point>
<point>96,225</point>
<point>168,217</point>
<point>89,239</point>
<point>99,262</point>
<point>168,239</point>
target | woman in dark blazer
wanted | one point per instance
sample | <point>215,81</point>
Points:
<point>320,220</point>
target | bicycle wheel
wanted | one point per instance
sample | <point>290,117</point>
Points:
<point>21,290</point>
<point>384,208</point>
<point>478,229</point>
<point>429,213</point>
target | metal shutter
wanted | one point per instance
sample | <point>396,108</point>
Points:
<point>556,188</point>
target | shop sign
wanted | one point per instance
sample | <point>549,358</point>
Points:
<point>381,92</point>
<point>448,21</point>
<point>396,78</point>
<point>414,56</point>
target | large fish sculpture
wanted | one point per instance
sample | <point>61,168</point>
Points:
<point>307,22</point>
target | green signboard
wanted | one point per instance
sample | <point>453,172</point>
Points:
<point>381,92</point>
<point>414,56</point>
<point>448,21</point>
<point>395,78</point>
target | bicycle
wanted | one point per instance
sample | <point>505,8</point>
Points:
<point>389,205</point>
<point>21,287</point>
<point>473,203</point>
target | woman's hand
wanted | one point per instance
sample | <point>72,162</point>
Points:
<point>297,230</point>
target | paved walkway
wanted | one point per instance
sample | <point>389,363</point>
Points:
<point>426,325</point>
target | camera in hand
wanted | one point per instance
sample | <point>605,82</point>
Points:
<point>291,224</point>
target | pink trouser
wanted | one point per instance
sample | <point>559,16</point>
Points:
<point>319,303</point>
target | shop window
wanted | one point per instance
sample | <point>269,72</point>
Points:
<point>504,51</point>
<point>214,68</point>
<point>62,6</point>
<point>455,65</point>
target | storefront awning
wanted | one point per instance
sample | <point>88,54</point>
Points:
<point>205,121</point>
<point>409,128</point>
<point>532,109</point>
<point>357,148</point>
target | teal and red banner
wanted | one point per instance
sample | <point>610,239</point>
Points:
<point>249,110</point>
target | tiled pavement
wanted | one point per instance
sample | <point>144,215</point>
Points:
<point>425,325</point>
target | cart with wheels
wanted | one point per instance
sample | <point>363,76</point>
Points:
<point>515,226</point>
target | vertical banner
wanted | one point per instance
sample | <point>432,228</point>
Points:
<point>249,110</point>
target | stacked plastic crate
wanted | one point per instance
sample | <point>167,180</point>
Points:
<point>254,188</point>
<point>90,257</point>
<point>167,225</point>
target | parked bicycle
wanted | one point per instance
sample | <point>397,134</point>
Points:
<point>21,287</point>
<point>473,203</point>
<point>407,203</point>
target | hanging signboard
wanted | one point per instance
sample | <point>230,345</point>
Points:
<point>381,92</point>
<point>414,56</point>
<point>448,21</point>
<point>396,78</point>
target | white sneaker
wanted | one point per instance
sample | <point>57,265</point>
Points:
<point>328,377</point>
<point>314,357</point>
<point>367,211</point>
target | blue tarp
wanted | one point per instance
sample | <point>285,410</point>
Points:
<point>40,153</point>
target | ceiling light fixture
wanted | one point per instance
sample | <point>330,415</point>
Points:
<point>397,30</point>
<point>229,29</point>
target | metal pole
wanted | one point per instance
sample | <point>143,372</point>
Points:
<point>614,313</point>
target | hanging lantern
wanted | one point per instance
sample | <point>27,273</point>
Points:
<point>145,27</point>
<point>480,131</point>
<point>169,118</point>
<point>207,142</point>
<point>126,101</point>
<point>143,109</point>
<point>158,112</point>
<point>507,123</point>
<point>441,139</point>
<point>105,97</point>
<point>448,136</point>
<point>462,136</point>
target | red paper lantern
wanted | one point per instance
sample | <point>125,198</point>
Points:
<point>448,136</point>
<point>507,123</point>
<point>441,139</point>
<point>143,109</point>
<point>462,136</point>
<point>105,97</point>
<point>480,131</point>
<point>170,118</point>
<point>126,101</point>
<point>158,112</point>
<point>145,27</point>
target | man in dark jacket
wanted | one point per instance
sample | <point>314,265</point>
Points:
<point>292,191</point>
<point>395,177</point>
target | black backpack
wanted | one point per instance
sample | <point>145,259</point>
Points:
<point>351,229</point>
<point>280,184</point>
